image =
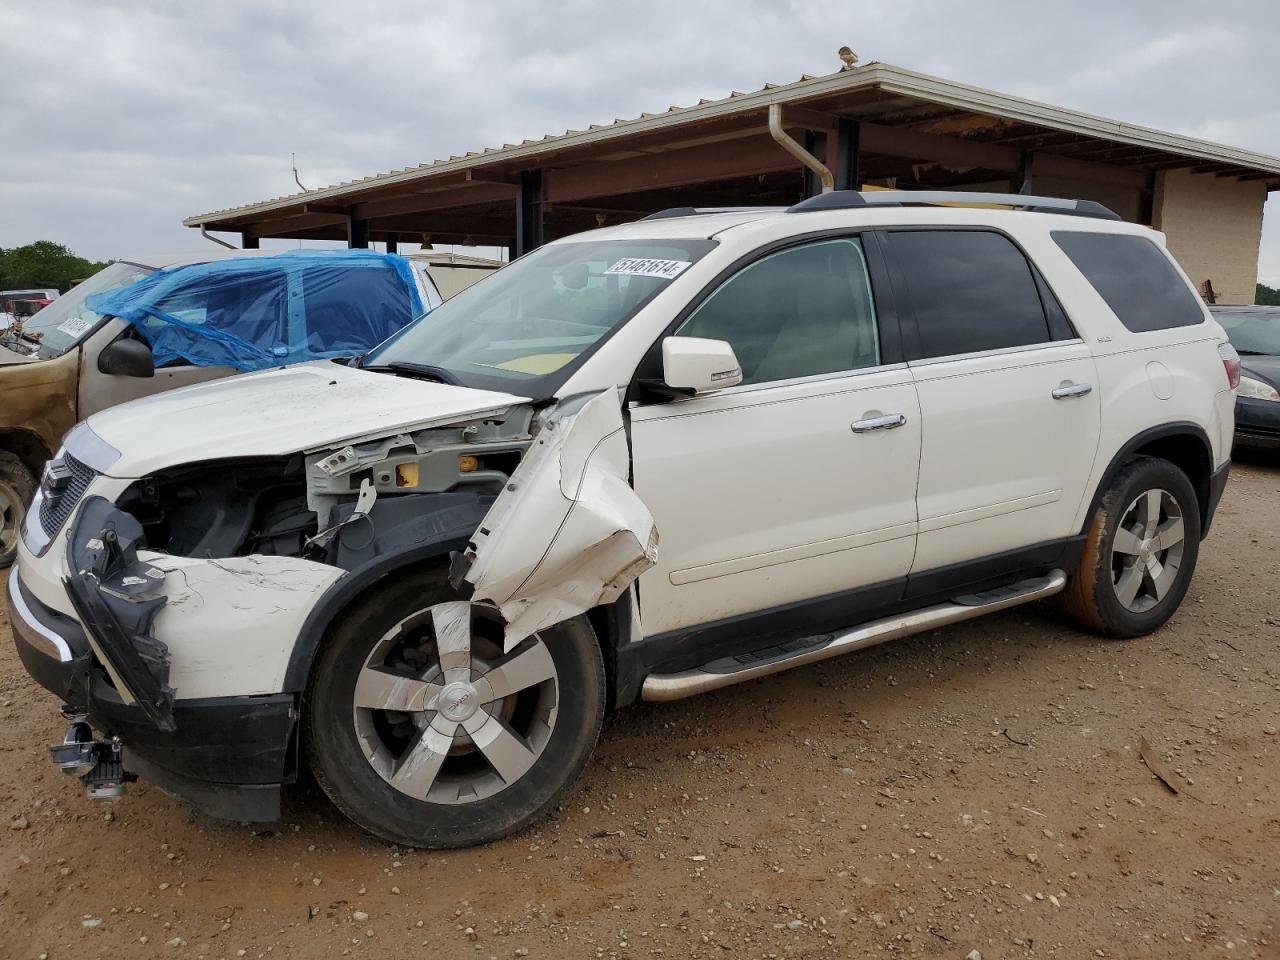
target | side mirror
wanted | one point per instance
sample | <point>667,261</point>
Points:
<point>695,365</point>
<point>127,357</point>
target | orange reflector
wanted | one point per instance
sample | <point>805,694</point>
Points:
<point>406,474</point>
<point>468,463</point>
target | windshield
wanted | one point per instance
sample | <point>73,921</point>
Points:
<point>62,324</point>
<point>1251,331</point>
<point>526,327</point>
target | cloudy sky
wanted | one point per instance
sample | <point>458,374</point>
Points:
<point>118,118</point>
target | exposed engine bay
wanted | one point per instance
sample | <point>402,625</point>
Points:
<point>332,506</point>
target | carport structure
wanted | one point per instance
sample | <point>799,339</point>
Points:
<point>875,125</point>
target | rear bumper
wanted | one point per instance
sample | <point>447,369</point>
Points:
<point>1258,423</point>
<point>229,756</point>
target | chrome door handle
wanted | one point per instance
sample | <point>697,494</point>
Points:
<point>887,422</point>
<point>1074,390</point>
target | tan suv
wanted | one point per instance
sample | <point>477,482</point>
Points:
<point>66,362</point>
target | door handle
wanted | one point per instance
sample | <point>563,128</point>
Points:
<point>888,422</point>
<point>1072,390</point>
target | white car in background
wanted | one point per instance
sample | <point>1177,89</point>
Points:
<point>642,462</point>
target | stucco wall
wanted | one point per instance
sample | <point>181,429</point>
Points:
<point>1214,226</point>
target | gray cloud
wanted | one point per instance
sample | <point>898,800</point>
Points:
<point>117,119</point>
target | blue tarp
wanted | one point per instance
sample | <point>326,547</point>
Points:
<point>253,313</point>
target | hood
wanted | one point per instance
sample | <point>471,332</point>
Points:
<point>1262,368</point>
<point>278,412</point>
<point>8,356</point>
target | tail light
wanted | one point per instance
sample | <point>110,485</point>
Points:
<point>1231,363</point>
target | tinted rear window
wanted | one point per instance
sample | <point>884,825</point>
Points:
<point>1134,277</point>
<point>969,291</point>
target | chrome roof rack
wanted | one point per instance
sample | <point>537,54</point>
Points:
<point>848,199</point>
<point>672,212</point>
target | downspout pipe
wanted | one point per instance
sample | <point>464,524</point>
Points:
<point>797,150</point>
<point>205,233</point>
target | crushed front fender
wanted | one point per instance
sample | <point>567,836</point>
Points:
<point>568,532</point>
<point>117,596</point>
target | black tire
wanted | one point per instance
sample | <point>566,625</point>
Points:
<point>17,487</point>
<point>1092,596</point>
<point>348,777</point>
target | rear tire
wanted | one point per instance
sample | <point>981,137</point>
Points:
<point>423,732</point>
<point>17,487</point>
<point>1140,551</point>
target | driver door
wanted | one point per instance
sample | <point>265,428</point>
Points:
<point>795,489</point>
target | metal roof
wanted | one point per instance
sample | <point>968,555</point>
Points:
<point>885,79</point>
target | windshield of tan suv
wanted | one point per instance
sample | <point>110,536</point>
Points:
<point>525,328</point>
<point>57,328</point>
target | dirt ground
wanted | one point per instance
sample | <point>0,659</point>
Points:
<point>978,788</point>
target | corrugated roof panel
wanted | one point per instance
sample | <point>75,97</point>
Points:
<point>885,77</point>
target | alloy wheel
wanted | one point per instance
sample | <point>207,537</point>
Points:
<point>444,715</point>
<point>1146,554</point>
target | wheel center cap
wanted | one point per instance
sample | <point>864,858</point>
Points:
<point>458,701</point>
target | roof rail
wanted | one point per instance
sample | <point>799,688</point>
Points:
<point>846,199</point>
<point>672,212</point>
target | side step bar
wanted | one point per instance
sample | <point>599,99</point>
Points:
<point>760,663</point>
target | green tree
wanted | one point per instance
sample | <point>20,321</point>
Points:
<point>43,264</point>
<point>1267,295</point>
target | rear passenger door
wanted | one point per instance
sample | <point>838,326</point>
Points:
<point>1008,405</point>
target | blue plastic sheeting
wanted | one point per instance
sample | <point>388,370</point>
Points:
<point>253,313</point>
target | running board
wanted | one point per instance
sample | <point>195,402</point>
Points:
<point>760,663</point>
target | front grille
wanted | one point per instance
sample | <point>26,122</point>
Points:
<point>56,505</point>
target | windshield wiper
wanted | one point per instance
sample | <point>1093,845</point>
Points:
<point>423,371</point>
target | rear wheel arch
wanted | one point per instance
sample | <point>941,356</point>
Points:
<point>1185,445</point>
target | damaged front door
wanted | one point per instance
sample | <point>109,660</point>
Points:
<point>568,533</point>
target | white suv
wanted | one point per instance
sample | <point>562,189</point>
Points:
<point>429,573</point>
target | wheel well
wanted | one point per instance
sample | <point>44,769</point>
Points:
<point>1186,451</point>
<point>608,623</point>
<point>27,447</point>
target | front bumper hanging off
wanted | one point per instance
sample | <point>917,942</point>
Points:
<point>229,756</point>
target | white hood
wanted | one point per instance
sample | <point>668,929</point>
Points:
<point>278,412</point>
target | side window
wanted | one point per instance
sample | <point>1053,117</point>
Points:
<point>969,290</point>
<point>1134,277</point>
<point>800,312</point>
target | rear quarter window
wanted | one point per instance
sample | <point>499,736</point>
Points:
<point>1134,277</point>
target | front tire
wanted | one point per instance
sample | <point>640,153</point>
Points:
<point>423,732</point>
<point>1140,551</point>
<point>17,487</point>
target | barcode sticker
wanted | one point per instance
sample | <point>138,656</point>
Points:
<point>646,267</point>
<point>74,326</point>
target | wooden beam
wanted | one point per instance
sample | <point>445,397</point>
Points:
<point>357,232</point>
<point>1054,165</point>
<point>336,208</point>
<point>291,225</point>
<point>492,176</point>
<point>674,168</point>
<point>458,194</point>
<point>530,212</point>
<point>953,152</point>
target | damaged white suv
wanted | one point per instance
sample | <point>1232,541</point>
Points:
<point>427,574</point>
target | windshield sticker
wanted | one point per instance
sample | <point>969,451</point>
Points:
<point>74,326</point>
<point>647,267</point>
